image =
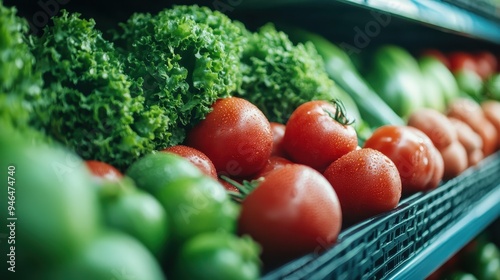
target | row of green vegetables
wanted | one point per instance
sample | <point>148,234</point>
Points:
<point>182,145</point>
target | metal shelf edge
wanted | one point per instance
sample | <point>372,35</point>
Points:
<point>439,15</point>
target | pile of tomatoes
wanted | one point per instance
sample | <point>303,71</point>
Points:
<point>297,185</point>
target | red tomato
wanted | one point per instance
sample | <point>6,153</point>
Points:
<point>486,63</point>
<point>461,60</point>
<point>236,136</point>
<point>278,131</point>
<point>367,183</point>
<point>273,163</point>
<point>416,158</point>
<point>294,211</point>
<point>103,170</point>
<point>196,157</point>
<point>317,134</point>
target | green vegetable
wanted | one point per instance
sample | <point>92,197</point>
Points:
<point>135,212</point>
<point>469,83</point>
<point>483,260</point>
<point>460,275</point>
<point>158,170</point>
<point>437,74</point>
<point>278,75</point>
<point>339,67</point>
<point>87,101</point>
<point>194,203</point>
<point>19,84</point>
<point>53,200</point>
<point>491,89</point>
<point>183,58</point>
<point>112,256</point>
<point>396,77</point>
<point>195,206</point>
<point>218,256</point>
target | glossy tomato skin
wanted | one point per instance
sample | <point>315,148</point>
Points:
<point>314,138</point>
<point>196,157</point>
<point>236,136</point>
<point>273,163</point>
<point>294,211</point>
<point>103,170</point>
<point>278,130</point>
<point>411,151</point>
<point>367,183</point>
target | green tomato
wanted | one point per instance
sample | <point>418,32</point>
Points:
<point>137,213</point>
<point>112,256</point>
<point>157,170</point>
<point>218,256</point>
<point>52,196</point>
<point>197,205</point>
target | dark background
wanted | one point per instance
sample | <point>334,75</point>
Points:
<point>337,21</point>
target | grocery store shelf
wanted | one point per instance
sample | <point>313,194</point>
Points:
<point>433,13</point>
<point>414,239</point>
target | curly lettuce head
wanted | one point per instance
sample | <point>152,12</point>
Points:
<point>278,76</point>
<point>87,102</point>
<point>18,83</point>
<point>185,58</point>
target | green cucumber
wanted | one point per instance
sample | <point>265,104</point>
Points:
<point>339,67</point>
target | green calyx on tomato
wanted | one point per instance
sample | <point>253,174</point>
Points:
<point>218,256</point>
<point>244,188</point>
<point>317,134</point>
<point>339,115</point>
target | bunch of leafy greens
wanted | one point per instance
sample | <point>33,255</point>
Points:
<point>184,59</point>
<point>278,75</point>
<point>87,102</point>
<point>19,84</point>
<point>117,100</point>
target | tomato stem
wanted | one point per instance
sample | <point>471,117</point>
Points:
<point>340,113</point>
<point>244,188</point>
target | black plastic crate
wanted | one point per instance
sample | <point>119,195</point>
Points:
<point>378,246</point>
